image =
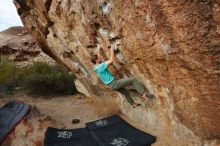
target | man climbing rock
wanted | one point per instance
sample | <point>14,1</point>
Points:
<point>101,69</point>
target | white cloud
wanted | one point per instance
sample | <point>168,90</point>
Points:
<point>8,15</point>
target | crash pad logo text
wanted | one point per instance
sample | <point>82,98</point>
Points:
<point>101,123</point>
<point>120,142</point>
<point>64,134</point>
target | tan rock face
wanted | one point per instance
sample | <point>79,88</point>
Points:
<point>19,46</point>
<point>171,46</point>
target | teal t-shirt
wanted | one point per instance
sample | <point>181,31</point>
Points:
<point>103,73</point>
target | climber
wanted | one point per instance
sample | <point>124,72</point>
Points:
<point>101,69</point>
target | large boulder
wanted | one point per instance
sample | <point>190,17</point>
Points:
<point>172,47</point>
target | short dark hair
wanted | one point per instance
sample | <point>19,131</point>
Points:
<point>94,58</point>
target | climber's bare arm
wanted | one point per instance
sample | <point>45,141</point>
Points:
<point>112,57</point>
<point>98,53</point>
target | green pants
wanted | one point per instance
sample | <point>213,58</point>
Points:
<point>119,85</point>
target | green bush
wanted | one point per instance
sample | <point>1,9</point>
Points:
<point>46,80</point>
<point>38,79</point>
<point>10,76</point>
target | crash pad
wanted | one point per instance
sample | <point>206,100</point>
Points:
<point>68,137</point>
<point>110,131</point>
<point>114,131</point>
<point>10,115</point>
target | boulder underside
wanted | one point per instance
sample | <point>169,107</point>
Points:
<point>172,47</point>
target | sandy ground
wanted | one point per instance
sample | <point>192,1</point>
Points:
<point>58,112</point>
<point>61,109</point>
<point>65,108</point>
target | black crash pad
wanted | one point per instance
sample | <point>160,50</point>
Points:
<point>10,115</point>
<point>68,137</point>
<point>114,131</point>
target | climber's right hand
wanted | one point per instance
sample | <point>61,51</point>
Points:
<point>98,47</point>
<point>112,46</point>
<point>97,50</point>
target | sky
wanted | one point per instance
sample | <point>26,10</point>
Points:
<point>8,15</point>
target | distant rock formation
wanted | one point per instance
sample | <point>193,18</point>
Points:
<point>172,46</point>
<point>18,45</point>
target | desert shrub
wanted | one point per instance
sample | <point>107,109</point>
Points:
<point>37,79</point>
<point>10,76</point>
<point>44,79</point>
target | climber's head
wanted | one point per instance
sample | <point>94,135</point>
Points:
<point>95,59</point>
